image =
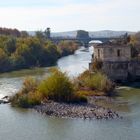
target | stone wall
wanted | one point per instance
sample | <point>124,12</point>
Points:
<point>110,53</point>
<point>122,71</point>
<point>117,62</point>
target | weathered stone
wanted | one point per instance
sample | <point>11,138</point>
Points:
<point>116,60</point>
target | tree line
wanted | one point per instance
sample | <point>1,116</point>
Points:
<point>24,51</point>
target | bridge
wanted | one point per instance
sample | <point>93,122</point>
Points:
<point>82,41</point>
<point>82,37</point>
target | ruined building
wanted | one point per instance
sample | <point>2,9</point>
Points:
<point>117,62</point>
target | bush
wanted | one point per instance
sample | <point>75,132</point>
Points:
<point>29,85</point>
<point>95,81</point>
<point>28,96</point>
<point>57,87</point>
<point>26,100</point>
<point>34,98</point>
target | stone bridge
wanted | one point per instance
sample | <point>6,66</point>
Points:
<point>83,41</point>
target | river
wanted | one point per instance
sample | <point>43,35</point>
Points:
<point>22,124</point>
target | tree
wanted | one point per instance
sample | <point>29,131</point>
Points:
<point>52,53</point>
<point>40,35</point>
<point>67,47</point>
<point>4,61</point>
<point>24,34</point>
<point>10,46</point>
<point>47,33</point>
<point>18,62</point>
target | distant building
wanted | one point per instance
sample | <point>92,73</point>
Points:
<point>116,60</point>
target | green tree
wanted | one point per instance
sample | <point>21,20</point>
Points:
<point>67,47</point>
<point>24,34</point>
<point>10,46</point>
<point>40,35</point>
<point>52,53</point>
<point>4,61</point>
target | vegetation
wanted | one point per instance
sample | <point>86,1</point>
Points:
<point>67,47</point>
<point>97,65</point>
<point>95,82</point>
<point>28,96</point>
<point>19,51</point>
<point>58,87</point>
<point>135,45</point>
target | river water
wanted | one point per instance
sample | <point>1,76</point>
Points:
<point>22,124</point>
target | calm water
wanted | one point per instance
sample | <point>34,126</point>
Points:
<point>20,124</point>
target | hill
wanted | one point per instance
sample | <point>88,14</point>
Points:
<point>96,34</point>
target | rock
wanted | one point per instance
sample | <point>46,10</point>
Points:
<point>5,97</point>
<point>64,110</point>
<point>4,101</point>
<point>1,101</point>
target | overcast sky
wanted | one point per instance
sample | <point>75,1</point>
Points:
<point>66,15</point>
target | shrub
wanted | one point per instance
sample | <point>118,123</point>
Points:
<point>34,98</point>
<point>26,100</point>
<point>95,81</point>
<point>57,87</point>
<point>29,85</point>
<point>28,95</point>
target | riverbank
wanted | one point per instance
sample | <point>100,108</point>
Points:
<point>87,110</point>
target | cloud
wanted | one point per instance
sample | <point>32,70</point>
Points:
<point>97,15</point>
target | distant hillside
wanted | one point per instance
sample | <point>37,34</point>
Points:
<point>104,33</point>
<point>108,33</point>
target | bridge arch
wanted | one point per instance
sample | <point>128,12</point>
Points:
<point>93,42</point>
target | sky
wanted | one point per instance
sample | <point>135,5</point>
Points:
<point>69,15</point>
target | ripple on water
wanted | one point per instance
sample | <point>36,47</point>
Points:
<point>9,86</point>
